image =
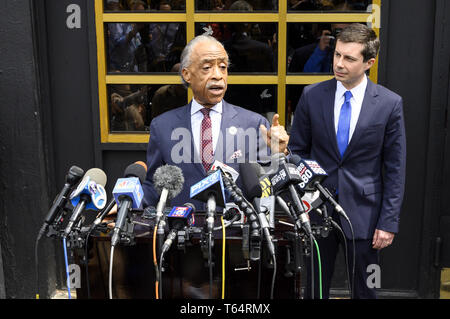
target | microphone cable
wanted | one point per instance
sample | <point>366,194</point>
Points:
<point>160,276</point>
<point>354,253</point>
<point>36,263</point>
<point>111,260</point>
<point>155,261</point>
<point>210,264</point>
<point>350,283</point>
<point>223,258</point>
<point>66,260</point>
<point>320,268</point>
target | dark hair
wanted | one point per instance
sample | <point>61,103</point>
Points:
<point>360,33</point>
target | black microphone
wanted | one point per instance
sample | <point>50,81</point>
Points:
<point>249,211</point>
<point>178,218</point>
<point>286,177</point>
<point>252,187</point>
<point>266,202</point>
<point>128,194</point>
<point>73,176</point>
<point>312,175</point>
<point>90,195</point>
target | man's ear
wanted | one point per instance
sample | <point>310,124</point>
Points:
<point>186,75</point>
<point>369,63</point>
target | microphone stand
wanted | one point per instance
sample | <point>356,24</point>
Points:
<point>210,213</point>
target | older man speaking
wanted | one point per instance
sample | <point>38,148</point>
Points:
<point>193,136</point>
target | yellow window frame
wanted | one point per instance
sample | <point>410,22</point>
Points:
<point>190,17</point>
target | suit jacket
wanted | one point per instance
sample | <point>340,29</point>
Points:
<point>171,143</point>
<point>370,177</point>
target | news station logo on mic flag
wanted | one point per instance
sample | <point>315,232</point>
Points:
<point>96,191</point>
<point>210,184</point>
<point>130,187</point>
<point>310,172</point>
<point>182,212</point>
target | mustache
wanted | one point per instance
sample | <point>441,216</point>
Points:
<point>215,86</point>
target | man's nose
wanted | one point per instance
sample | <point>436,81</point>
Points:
<point>217,73</point>
<point>339,61</point>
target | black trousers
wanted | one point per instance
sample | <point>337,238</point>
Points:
<point>329,246</point>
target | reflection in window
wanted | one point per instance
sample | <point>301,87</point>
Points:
<point>144,5</point>
<point>310,46</point>
<point>132,107</point>
<point>293,93</point>
<point>261,99</point>
<point>328,5</point>
<point>251,47</point>
<point>236,5</point>
<point>144,47</point>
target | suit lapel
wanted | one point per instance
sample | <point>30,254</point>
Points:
<point>328,115</point>
<point>367,111</point>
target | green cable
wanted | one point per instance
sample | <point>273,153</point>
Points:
<point>320,269</point>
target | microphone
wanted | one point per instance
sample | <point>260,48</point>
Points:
<point>73,176</point>
<point>286,177</point>
<point>312,175</point>
<point>247,208</point>
<point>252,186</point>
<point>227,170</point>
<point>128,193</point>
<point>265,202</point>
<point>210,190</point>
<point>178,218</point>
<point>90,195</point>
<point>168,181</point>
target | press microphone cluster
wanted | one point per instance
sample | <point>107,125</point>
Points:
<point>128,194</point>
<point>72,178</point>
<point>89,195</point>
<point>285,179</point>
<point>312,175</point>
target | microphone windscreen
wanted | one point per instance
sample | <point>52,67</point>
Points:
<point>250,180</point>
<point>97,175</point>
<point>74,175</point>
<point>136,170</point>
<point>295,159</point>
<point>169,177</point>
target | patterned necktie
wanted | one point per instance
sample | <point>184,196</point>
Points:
<point>206,151</point>
<point>344,124</point>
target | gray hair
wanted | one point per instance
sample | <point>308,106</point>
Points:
<point>185,59</point>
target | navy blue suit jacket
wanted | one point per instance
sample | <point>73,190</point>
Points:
<point>171,143</point>
<point>370,177</point>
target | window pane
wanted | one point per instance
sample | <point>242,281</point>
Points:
<point>236,5</point>
<point>328,5</point>
<point>293,93</point>
<point>261,99</point>
<point>250,46</point>
<point>310,46</point>
<point>144,47</point>
<point>144,5</point>
<point>132,107</point>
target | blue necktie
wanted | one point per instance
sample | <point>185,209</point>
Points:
<point>344,123</point>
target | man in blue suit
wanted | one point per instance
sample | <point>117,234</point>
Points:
<point>193,136</point>
<point>355,130</point>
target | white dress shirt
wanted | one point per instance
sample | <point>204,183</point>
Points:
<point>356,101</point>
<point>196,123</point>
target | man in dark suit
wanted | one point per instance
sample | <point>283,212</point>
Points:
<point>355,130</point>
<point>193,136</point>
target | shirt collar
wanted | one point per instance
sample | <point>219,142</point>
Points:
<point>196,107</point>
<point>357,92</point>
